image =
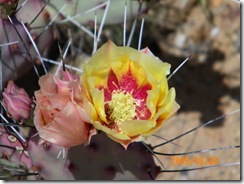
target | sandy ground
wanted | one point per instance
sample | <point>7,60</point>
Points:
<point>207,87</point>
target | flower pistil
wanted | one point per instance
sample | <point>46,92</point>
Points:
<point>122,107</point>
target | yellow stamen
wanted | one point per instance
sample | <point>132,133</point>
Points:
<point>122,107</point>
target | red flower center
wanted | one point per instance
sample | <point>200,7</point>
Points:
<point>125,99</point>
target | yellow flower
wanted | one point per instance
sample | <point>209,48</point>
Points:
<point>127,92</point>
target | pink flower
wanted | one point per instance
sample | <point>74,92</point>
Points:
<point>59,116</point>
<point>16,101</point>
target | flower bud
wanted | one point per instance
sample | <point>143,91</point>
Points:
<point>16,101</point>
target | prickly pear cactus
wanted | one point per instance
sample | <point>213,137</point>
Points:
<point>108,159</point>
<point>102,159</point>
<point>14,158</point>
<point>28,36</point>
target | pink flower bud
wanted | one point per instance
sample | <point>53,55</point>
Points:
<point>7,7</point>
<point>16,101</point>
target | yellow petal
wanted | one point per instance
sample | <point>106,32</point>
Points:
<point>164,88</point>
<point>157,70</point>
<point>89,108</point>
<point>139,73</point>
<point>126,143</point>
<point>97,79</point>
<point>107,55</point>
<point>168,100</point>
<point>98,101</point>
<point>152,100</point>
<point>100,58</point>
<point>165,111</point>
<point>120,65</point>
<point>136,127</point>
<point>116,135</point>
<point>160,120</point>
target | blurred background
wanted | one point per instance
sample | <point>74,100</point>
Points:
<point>207,86</point>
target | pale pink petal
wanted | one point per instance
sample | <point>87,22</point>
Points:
<point>83,114</point>
<point>68,76</point>
<point>58,101</point>
<point>59,115</point>
<point>76,94</point>
<point>67,129</point>
<point>146,50</point>
<point>62,86</point>
<point>47,85</point>
<point>38,118</point>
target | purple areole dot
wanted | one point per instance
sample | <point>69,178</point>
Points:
<point>46,145</point>
<point>92,147</point>
<point>111,170</point>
